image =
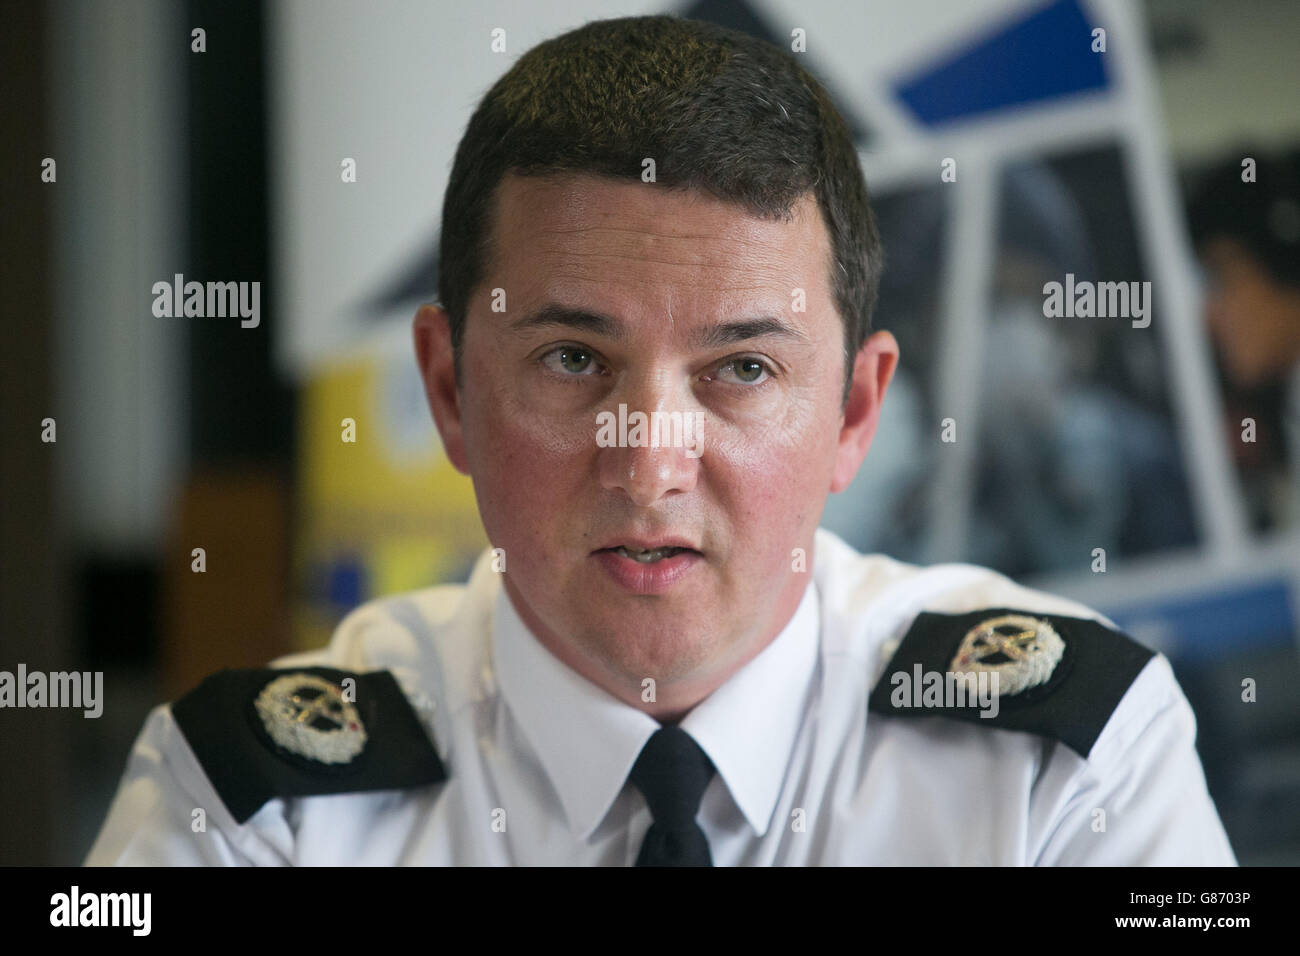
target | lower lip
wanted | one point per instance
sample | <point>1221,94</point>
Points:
<point>654,578</point>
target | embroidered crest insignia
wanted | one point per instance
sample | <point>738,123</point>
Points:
<point>309,716</point>
<point>1021,650</point>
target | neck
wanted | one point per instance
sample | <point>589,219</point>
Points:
<point>674,699</point>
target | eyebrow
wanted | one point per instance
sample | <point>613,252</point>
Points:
<point>553,316</point>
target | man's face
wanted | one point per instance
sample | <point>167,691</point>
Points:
<point>1255,320</point>
<point>625,294</point>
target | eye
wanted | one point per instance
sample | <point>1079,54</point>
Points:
<point>744,371</point>
<point>571,361</point>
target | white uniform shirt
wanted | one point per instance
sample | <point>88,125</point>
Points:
<point>538,757</point>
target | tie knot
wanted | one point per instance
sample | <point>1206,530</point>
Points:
<point>672,774</point>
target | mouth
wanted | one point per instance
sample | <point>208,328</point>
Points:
<point>648,555</point>
<point>649,550</point>
<point>648,566</point>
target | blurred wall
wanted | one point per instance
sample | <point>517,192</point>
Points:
<point>1227,73</point>
<point>117,128</point>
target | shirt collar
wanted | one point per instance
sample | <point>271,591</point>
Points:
<point>747,726</point>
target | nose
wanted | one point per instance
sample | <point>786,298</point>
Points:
<point>656,449</point>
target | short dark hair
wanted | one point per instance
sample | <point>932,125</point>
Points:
<point>1263,215</point>
<point>718,110</point>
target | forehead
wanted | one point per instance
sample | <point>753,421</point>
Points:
<point>579,235</point>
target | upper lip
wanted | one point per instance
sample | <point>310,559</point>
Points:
<point>648,544</point>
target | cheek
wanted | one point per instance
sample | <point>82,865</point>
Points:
<point>773,479</point>
<point>523,463</point>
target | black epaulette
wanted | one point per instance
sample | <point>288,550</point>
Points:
<point>1060,677</point>
<point>309,731</point>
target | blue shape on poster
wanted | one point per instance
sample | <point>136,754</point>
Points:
<point>1045,55</point>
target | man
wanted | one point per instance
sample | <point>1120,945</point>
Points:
<point>1245,221</point>
<point>654,382</point>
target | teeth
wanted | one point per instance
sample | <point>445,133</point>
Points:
<point>646,557</point>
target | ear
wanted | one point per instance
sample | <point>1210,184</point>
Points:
<point>432,330</point>
<point>872,372</point>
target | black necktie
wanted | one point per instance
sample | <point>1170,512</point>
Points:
<point>672,773</point>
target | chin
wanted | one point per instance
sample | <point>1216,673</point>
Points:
<point>662,654</point>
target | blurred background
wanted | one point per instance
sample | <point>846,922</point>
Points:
<point>1151,472</point>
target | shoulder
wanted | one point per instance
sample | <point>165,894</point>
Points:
<point>410,630</point>
<point>370,711</point>
<point>1015,668</point>
<point>850,580</point>
<point>259,734</point>
<point>960,642</point>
